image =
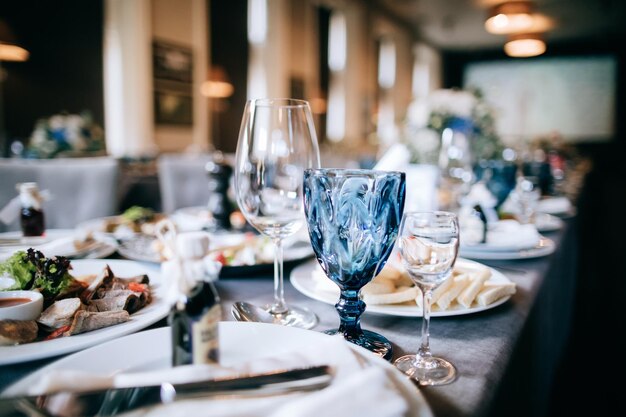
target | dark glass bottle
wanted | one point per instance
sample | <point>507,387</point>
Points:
<point>219,173</point>
<point>195,326</point>
<point>31,215</point>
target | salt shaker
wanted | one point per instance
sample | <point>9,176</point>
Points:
<point>219,204</point>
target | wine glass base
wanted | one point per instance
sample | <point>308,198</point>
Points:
<point>369,340</point>
<point>431,371</point>
<point>299,317</point>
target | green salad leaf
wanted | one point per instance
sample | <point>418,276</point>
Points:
<point>20,269</point>
<point>138,214</point>
<point>33,271</point>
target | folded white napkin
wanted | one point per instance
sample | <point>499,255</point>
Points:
<point>358,388</point>
<point>504,234</point>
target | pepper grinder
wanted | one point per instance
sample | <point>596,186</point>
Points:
<point>219,205</point>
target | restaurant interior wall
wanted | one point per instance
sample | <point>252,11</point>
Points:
<point>64,70</point>
<point>185,22</point>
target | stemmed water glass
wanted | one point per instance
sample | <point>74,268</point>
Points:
<point>277,141</point>
<point>429,244</point>
<point>353,218</point>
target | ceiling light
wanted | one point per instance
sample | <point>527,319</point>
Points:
<point>525,45</point>
<point>510,17</point>
<point>10,52</point>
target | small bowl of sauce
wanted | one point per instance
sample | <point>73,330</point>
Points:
<point>20,305</point>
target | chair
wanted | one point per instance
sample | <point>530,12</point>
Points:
<point>81,188</point>
<point>183,180</point>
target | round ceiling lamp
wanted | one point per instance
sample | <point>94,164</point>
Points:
<point>11,52</point>
<point>9,48</point>
<point>525,45</point>
<point>510,17</point>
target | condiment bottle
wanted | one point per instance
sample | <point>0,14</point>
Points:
<point>219,204</point>
<point>32,217</point>
<point>195,315</point>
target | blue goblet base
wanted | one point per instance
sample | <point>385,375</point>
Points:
<point>369,340</point>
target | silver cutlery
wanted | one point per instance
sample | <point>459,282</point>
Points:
<point>114,401</point>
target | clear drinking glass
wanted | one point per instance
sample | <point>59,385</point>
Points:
<point>277,141</point>
<point>353,218</point>
<point>429,244</point>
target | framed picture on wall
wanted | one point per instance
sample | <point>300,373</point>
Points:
<point>173,77</point>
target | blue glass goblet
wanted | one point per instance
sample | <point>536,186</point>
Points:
<point>353,218</point>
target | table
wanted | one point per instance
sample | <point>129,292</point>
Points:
<point>506,357</point>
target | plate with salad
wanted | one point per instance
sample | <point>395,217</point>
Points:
<point>240,253</point>
<point>134,220</point>
<point>85,302</point>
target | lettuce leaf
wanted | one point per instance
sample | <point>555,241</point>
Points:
<point>19,267</point>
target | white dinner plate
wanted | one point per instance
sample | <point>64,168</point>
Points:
<point>141,248</point>
<point>148,315</point>
<point>193,218</point>
<point>7,248</point>
<point>238,342</point>
<point>302,279</point>
<point>544,247</point>
<point>545,222</point>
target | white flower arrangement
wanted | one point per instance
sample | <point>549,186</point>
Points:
<point>428,117</point>
<point>65,134</point>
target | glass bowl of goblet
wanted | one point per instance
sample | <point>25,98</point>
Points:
<point>353,218</point>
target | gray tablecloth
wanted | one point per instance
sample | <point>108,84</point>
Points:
<point>506,357</point>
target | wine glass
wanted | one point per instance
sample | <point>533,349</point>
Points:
<point>277,141</point>
<point>429,244</point>
<point>353,218</point>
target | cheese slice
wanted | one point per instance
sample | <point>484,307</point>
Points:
<point>466,298</point>
<point>400,295</point>
<point>442,288</point>
<point>458,285</point>
<point>492,293</point>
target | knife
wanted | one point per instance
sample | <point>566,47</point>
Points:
<point>114,401</point>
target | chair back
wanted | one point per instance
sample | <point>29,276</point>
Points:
<point>183,180</point>
<point>81,188</point>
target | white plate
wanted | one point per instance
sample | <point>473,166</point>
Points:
<point>148,315</point>
<point>106,249</point>
<point>140,248</point>
<point>545,247</point>
<point>192,218</point>
<point>302,279</point>
<point>137,353</point>
<point>545,222</point>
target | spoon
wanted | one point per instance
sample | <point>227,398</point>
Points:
<point>243,311</point>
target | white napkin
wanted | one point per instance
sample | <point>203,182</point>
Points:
<point>377,394</point>
<point>505,234</point>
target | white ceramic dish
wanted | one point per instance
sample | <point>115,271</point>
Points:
<point>545,247</point>
<point>25,311</point>
<point>107,247</point>
<point>140,248</point>
<point>545,223</point>
<point>302,279</point>
<point>148,315</point>
<point>137,353</point>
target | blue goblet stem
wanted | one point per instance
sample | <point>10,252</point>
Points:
<point>350,308</point>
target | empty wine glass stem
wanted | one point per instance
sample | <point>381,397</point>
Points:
<point>279,305</point>
<point>424,350</point>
